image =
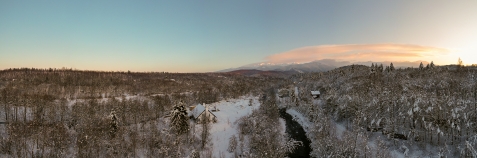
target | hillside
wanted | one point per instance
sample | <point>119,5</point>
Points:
<point>410,108</point>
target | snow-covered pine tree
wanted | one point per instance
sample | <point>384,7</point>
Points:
<point>432,64</point>
<point>421,66</point>
<point>391,67</point>
<point>179,121</point>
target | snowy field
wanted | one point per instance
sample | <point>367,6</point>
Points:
<point>230,111</point>
<point>226,126</point>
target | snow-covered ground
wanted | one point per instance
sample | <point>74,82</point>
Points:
<point>230,111</point>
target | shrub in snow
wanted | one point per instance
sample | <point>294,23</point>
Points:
<point>232,144</point>
<point>291,145</point>
<point>5,146</point>
<point>194,154</point>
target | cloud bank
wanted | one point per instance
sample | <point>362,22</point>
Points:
<point>358,53</point>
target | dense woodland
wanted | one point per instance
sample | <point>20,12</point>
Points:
<point>260,130</point>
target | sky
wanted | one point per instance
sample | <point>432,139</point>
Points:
<point>206,36</point>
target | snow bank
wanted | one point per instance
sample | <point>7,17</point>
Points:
<point>302,120</point>
<point>283,126</point>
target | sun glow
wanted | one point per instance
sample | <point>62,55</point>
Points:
<point>467,54</point>
<point>469,57</point>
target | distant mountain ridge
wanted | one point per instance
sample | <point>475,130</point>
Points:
<point>317,66</point>
<point>256,73</point>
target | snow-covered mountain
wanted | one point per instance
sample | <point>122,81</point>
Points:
<point>316,66</point>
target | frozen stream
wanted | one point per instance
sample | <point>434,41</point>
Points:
<point>295,130</point>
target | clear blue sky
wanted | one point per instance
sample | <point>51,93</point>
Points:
<point>202,36</point>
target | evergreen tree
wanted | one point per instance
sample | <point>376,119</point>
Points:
<point>380,68</point>
<point>391,67</point>
<point>460,63</point>
<point>113,124</point>
<point>421,66</point>
<point>179,121</point>
<point>432,64</point>
<point>373,68</point>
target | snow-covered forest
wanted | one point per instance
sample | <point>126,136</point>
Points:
<point>425,111</point>
<point>363,111</point>
<point>70,113</point>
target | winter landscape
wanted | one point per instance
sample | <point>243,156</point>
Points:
<point>238,79</point>
<point>361,111</point>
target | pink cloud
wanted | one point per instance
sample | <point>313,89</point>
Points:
<point>357,52</point>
